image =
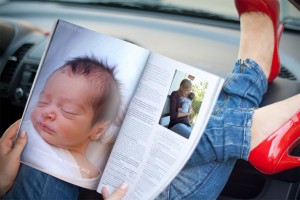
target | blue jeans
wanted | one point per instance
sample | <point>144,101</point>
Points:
<point>33,184</point>
<point>182,129</point>
<point>226,137</point>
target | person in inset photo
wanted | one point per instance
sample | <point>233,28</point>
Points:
<point>179,121</point>
<point>77,104</point>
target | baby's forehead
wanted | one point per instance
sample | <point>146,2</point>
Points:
<point>92,85</point>
<point>97,78</point>
<point>94,73</point>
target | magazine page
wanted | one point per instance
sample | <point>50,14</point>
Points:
<point>147,154</point>
<point>78,101</point>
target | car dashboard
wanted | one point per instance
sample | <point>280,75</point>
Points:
<point>207,43</point>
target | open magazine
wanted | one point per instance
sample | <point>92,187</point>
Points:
<point>96,129</point>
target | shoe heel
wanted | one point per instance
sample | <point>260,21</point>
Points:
<point>273,154</point>
<point>287,159</point>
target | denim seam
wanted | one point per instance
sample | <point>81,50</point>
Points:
<point>197,186</point>
<point>217,110</point>
<point>247,134</point>
<point>250,89</point>
<point>255,66</point>
<point>43,188</point>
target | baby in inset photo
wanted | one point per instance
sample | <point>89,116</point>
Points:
<point>79,101</point>
<point>186,103</point>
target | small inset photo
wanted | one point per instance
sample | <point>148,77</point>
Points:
<point>183,103</point>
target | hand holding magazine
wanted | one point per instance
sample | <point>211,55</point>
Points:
<point>98,113</point>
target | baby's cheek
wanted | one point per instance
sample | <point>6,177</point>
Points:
<point>34,115</point>
<point>66,128</point>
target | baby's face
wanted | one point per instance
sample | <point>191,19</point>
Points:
<point>64,112</point>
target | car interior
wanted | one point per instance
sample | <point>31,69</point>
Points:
<point>204,40</point>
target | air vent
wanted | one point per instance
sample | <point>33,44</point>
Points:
<point>25,83</point>
<point>285,73</point>
<point>28,75</point>
<point>13,63</point>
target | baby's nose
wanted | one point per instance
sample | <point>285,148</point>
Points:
<point>50,115</point>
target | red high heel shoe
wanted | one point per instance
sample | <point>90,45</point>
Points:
<point>273,154</point>
<point>272,9</point>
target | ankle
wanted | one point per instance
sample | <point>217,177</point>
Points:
<point>253,35</point>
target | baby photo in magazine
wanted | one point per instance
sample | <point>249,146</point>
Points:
<point>71,118</point>
<point>78,102</point>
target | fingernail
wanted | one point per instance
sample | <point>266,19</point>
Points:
<point>22,134</point>
<point>124,186</point>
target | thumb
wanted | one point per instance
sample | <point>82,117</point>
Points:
<point>117,194</point>
<point>20,143</point>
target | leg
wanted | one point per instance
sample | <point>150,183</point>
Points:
<point>251,45</point>
<point>205,181</point>
<point>275,126</point>
<point>269,11</point>
<point>228,132</point>
<point>34,184</point>
<point>276,115</point>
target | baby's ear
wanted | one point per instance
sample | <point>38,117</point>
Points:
<point>99,129</point>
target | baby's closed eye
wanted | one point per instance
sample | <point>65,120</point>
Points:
<point>69,111</point>
<point>42,103</point>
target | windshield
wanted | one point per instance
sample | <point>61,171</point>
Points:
<point>224,9</point>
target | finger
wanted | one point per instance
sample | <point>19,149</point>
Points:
<point>104,192</point>
<point>119,192</point>
<point>11,131</point>
<point>20,144</point>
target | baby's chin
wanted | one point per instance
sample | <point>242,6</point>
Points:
<point>51,141</point>
<point>45,136</point>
